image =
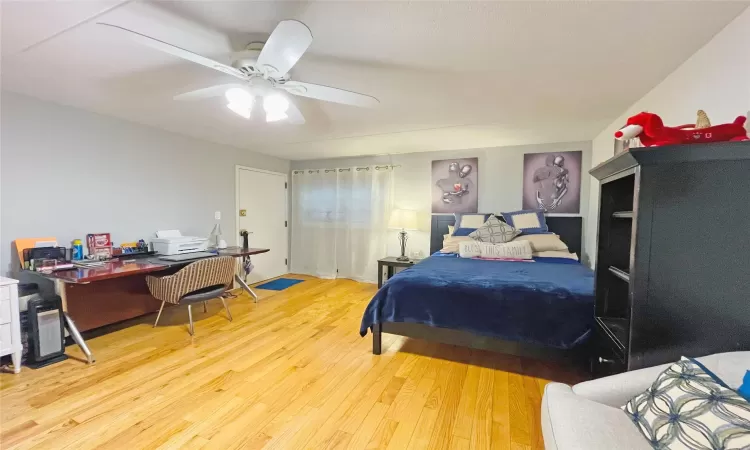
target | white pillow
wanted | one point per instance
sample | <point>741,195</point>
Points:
<point>543,242</point>
<point>556,254</point>
<point>471,221</point>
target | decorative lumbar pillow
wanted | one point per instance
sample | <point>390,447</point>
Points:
<point>469,249</point>
<point>528,221</point>
<point>450,243</point>
<point>508,250</point>
<point>688,407</point>
<point>495,231</point>
<point>468,223</point>
<point>544,242</point>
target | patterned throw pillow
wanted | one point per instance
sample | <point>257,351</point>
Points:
<point>528,221</point>
<point>468,223</point>
<point>495,231</point>
<point>744,390</point>
<point>687,407</point>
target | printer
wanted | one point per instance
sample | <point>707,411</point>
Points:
<point>172,242</point>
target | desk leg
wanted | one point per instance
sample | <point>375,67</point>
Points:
<point>78,339</point>
<point>71,326</point>
<point>246,287</point>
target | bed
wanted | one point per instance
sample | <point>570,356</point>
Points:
<point>546,303</point>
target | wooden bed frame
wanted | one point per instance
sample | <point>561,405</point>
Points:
<point>569,228</point>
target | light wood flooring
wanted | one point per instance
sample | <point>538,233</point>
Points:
<point>289,372</point>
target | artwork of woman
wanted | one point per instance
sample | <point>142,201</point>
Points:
<point>552,182</point>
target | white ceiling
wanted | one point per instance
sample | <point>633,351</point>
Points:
<point>448,74</point>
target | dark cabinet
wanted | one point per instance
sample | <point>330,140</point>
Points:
<point>673,257</point>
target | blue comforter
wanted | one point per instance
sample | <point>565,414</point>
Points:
<point>548,302</point>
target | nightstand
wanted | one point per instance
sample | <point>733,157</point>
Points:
<point>391,262</point>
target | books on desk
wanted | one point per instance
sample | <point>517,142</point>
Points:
<point>87,264</point>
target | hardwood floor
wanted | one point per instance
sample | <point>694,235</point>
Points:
<point>289,372</point>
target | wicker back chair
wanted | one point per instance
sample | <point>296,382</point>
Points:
<point>200,281</point>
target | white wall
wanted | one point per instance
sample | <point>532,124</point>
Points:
<point>500,180</point>
<point>66,172</point>
<point>715,79</point>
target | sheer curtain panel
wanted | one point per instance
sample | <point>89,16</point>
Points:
<point>339,221</point>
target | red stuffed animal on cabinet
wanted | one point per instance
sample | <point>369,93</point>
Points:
<point>651,131</point>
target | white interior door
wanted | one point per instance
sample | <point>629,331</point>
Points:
<point>262,196</point>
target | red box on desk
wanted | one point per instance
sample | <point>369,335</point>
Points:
<point>99,244</point>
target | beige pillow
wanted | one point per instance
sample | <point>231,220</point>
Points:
<point>451,229</point>
<point>556,254</point>
<point>450,243</point>
<point>543,242</point>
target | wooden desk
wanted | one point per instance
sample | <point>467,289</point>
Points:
<point>117,291</point>
<point>125,267</point>
<point>99,296</point>
<point>109,271</point>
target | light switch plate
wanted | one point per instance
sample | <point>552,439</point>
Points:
<point>217,215</point>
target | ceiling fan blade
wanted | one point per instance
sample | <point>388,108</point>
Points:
<point>177,51</point>
<point>285,47</point>
<point>295,116</point>
<point>214,91</point>
<point>329,94</point>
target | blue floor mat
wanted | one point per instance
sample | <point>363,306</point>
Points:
<point>280,284</point>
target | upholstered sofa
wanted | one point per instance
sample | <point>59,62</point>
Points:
<point>587,416</point>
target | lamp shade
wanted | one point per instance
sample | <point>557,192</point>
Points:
<point>403,219</point>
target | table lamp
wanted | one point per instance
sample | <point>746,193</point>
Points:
<point>403,219</point>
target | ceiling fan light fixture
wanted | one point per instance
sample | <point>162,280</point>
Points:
<point>240,109</point>
<point>240,97</point>
<point>264,70</point>
<point>275,116</point>
<point>275,104</point>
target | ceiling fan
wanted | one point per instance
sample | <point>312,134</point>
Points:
<point>263,71</point>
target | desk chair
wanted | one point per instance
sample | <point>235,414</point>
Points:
<point>198,282</point>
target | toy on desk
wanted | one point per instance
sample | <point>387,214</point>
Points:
<point>100,245</point>
<point>652,132</point>
<point>245,239</point>
<point>131,248</point>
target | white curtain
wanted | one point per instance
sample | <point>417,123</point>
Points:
<point>339,221</point>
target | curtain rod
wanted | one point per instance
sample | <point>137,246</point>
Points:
<point>302,171</point>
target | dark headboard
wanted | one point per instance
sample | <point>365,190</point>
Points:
<point>569,228</point>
